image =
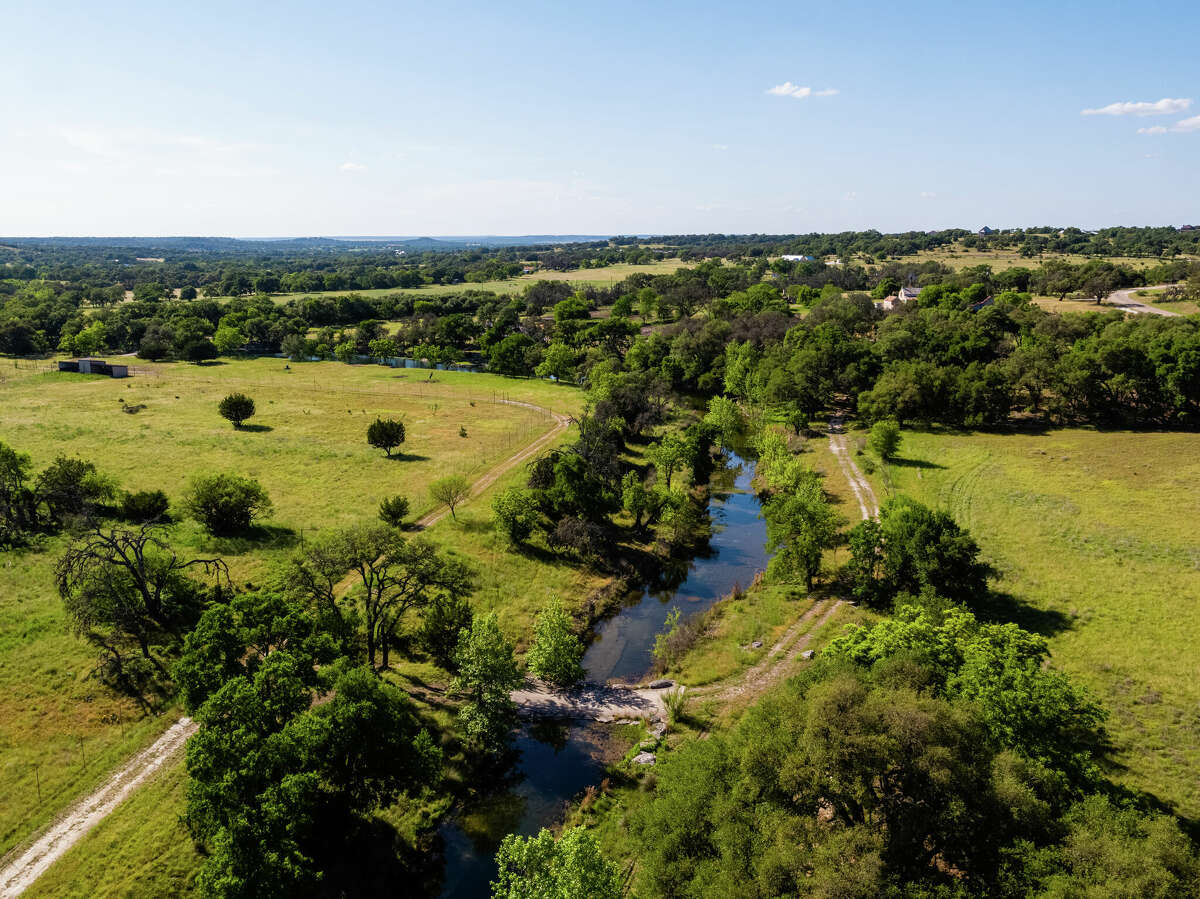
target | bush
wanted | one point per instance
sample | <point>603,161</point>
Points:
<point>236,407</point>
<point>386,434</point>
<point>515,512</point>
<point>73,488</point>
<point>885,439</point>
<point>393,510</point>
<point>144,506</point>
<point>226,504</point>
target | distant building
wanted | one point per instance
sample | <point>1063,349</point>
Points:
<point>908,294</point>
<point>94,367</point>
<point>985,231</point>
<point>1181,228</point>
<point>791,257</point>
<point>975,307</point>
<point>887,303</point>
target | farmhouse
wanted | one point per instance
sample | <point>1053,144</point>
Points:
<point>907,294</point>
<point>94,367</point>
<point>985,231</point>
<point>792,257</point>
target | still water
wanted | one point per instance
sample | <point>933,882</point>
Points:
<point>557,762</point>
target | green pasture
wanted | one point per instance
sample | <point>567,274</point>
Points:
<point>61,731</point>
<point>1093,536</point>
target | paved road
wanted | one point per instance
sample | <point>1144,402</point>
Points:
<point>1124,299</point>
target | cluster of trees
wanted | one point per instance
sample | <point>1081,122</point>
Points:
<point>930,754</point>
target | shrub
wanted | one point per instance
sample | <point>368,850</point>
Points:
<point>393,510</point>
<point>226,504</point>
<point>885,439</point>
<point>385,434</point>
<point>236,407</point>
<point>144,506</point>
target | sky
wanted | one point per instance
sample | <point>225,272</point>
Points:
<point>303,119</point>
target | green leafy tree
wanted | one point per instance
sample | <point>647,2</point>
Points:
<point>72,489</point>
<point>144,506</point>
<point>226,504</point>
<point>487,674</point>
<point>394,575</point>
<point>540,867</point>
<point>801,525</point>
<point>393,510</point>
<point>913,549</point>
<point>885,439</point>
<point>516,514</point>
<point>384,348</point>
<point>443,622</point>
<point>386,434</point>
<point>19,514</point>
<point>556,653</point>
<point>452,490</point>
<point>228,340</point>
<point>669,455</point>
<point>559,362</point>
<point>236,407</point>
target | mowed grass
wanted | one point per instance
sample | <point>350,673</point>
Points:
<point>61,728</point>
<point>1094,538</point>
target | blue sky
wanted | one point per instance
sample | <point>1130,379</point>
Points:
<point>275,119</point>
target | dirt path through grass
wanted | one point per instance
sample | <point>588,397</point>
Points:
<point>30,862</point>
<point>561,423</point>
<point>867,503</point>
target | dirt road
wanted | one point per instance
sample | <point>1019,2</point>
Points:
<point>31,861</point>
<point>867,503</point>
<point>561,423</point>
<point>1124,299</point>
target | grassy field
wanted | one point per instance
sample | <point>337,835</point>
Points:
<point>1002,260</point>
<point>604,276</point>
<point>1093,535</point>
<point>61,731</point>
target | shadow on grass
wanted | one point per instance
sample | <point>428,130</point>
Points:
<point>914,463</point>
<point>256,429</point>
<point>1002,607</point>
<point>257,537</point>
<point>406,457</point>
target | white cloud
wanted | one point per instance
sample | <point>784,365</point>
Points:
<point>353,167</point>
<point>787,89</point>
<point>852,195</point>
<point>1183,126</point>
<point>721,147</point>
<point>927,195</point>
<point>1165,106</point>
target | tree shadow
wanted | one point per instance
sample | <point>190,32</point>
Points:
<point>1004,608</point>
<point>406,457</point>
<point>255,538</point>
<point>914,463</point>
<point>256,429</point>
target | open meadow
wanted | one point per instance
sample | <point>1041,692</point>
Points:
<point>62,731</point>
<point>1093,535</point>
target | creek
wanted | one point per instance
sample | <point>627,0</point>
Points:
<point>556,761</point>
